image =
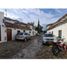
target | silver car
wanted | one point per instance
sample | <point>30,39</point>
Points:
<point>22,36</point>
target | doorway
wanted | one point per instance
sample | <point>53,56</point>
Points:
<point>9,34</point>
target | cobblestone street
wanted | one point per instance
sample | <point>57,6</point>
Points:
<point>20,49</point>
<point>32,49</point>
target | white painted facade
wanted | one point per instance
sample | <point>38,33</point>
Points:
<point>32,32</point>
<point>14,31</point>
<point>62,27</point>
<point>3,34</point>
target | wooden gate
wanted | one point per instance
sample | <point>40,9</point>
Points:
<point>9,34</point>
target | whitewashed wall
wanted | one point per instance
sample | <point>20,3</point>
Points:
<point>14,32</point>
<point>62,27</point>
<point>3,33</point>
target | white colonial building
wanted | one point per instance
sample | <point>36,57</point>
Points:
<point>59,28</point>
<point>10,27</point>
<point>2,29</point>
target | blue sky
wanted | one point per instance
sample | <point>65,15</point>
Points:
<point>45,16</point>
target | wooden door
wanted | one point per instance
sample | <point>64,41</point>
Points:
<point>9,34</point>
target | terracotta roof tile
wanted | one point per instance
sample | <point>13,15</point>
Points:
<point>17,24</point>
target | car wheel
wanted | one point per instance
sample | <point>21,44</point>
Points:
<point>42,43</point>
<point>16,39</point>
<point>25,39</point>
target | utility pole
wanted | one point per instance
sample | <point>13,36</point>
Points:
<point>6,12</point>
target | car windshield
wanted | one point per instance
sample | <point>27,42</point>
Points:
<point>20,33</point>
<point>48,35</point>
<point>26,33</point>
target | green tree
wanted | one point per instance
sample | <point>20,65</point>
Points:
<point>39,27</point>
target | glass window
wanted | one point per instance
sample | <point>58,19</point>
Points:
<point>26,33</point>
<point>48,35</point>
<point>20,33</point>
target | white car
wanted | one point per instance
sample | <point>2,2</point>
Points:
<point>48,39</point>
<point>23,36</point>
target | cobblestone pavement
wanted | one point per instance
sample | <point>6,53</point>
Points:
<point>30,51</point>
<point>9,49</point>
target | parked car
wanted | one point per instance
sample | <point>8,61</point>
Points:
<point>23,36</point>
<point>48,39</point>
<point>28,37</point>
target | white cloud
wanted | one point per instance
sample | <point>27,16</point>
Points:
<point>32,15</point>
<point>35,14</point>
<point>58,10</point>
